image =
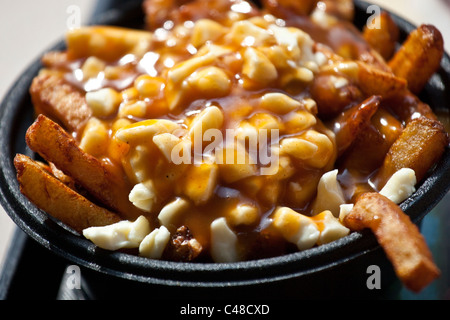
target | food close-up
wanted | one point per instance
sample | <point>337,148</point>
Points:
<point>225,131</point>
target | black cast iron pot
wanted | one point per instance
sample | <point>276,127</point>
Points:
<point>338,269</point>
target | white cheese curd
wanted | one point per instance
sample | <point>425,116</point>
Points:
<point>165,143</point>
<point>344,210</point>
<point>153,245</point>
<point>103,102</point>
<point>168,214</point>
<point>332,229</point>
<point>143,196</point>
<point>287,37</point>
<point>400,186</point>
<point>223,242</point>
<point>123,234</point>
<point>329,194</point>
<point>296,228</point>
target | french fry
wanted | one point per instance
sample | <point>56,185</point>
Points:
<point>406,106</point>
<point>59,100</point>
<point>370,146</point>
<point>58,174</point>
<point>373,58</point>
<point>332,99</point>
<point>419,57</point>
<point>359,50</point>
<point>55,145</point>
<point>383,39</point>
<point>54,197</point>
<point>354,120</point>
<point>399,237</point>
<point>51,169</point>
<point>421,144</point>
<point>374,81</point>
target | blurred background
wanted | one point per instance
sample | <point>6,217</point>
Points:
<point>27,28</point>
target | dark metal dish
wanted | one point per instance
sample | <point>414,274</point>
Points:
<point>318,272</point>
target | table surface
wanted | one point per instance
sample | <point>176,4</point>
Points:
<point>30,27</point>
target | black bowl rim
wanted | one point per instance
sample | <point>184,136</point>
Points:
<point>56,237</point>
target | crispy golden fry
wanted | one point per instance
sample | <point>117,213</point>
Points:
<point>389,133</point>
<point>332,99</point>
<point>383,39</point>
<point>58,174</point>
<point>373,81</point>
<point>52,170</point>
<point>55,145</point>
<point>406,106</point>
<point>373,58</point>
<point>59,100</point>
<point>58,200</point>
<point>419,57</point>
<point>368,150</point>
<point>419,147</point>
<point>353,121</point>
<point>367,55</point>
<point>401,240</point>
<point>361,160</point>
